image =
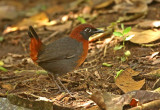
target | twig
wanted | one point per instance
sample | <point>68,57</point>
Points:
<point>24,47</point>
<point>52,35</point>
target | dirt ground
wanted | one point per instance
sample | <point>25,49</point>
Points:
<point>23,76</point>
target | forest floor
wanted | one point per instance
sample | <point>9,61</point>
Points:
<point>19,75</point>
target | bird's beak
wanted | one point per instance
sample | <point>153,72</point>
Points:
<point>97,31</point>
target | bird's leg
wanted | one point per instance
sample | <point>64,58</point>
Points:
<point>64,87</point>
<point>53,78</point>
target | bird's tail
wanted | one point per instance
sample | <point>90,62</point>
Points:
<point>35,44</point>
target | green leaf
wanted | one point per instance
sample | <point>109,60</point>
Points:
<point>82,20</point>
<point>119,34</point>
<point>1,63</point>
<point>118,73</point>
<point>41,72</point>
<point>118,47</point>
<point>123,59</point>
<point>125,31</point>
<point>122,26</point>
<point>157,90</point>
<point>107,64</point>
<point>1,38</point>
<point>3,69</point>
<point>43,7</point>
<point>127,53</point>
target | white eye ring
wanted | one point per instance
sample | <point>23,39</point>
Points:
<point>87,30</point>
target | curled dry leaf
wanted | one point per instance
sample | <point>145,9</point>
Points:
<point>125,82</point>
<point>108,101</point>
<point>97,97</point>
<point>146,36</point>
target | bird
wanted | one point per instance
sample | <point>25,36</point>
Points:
<point>63,55</point>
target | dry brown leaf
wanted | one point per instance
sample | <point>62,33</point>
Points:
<point>7,86</point>
<point>108,101</point>
<point>104,4</point>
<point>128,6</point>
<point>157,0</point>
<point>38,19</point>
<point>97,97</point>
<point>117,1</point>
<point>154,73</point>
<point>149,24</point>
<point>10,9</point>
<point>125,82</point>
<point>146,36</point>
<point>100,3</point>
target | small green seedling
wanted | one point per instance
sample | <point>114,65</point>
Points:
<point>1,38</point>
<point>118,73</point>
<point>125,38</point>
<point>127,53</point>
<point>107,64</point>
<point>1,67</point>
<point>41,72</point>
<point>118,47</point>
<point>123,34</point>
<point>123,59</point>
<point>82,20</point>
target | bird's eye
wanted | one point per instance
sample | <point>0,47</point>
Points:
<point>87,30</point>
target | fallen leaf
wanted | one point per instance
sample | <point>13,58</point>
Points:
<point>101,3</point>
<point>1,63</point>
<point>87,10</point>
<point>156,61</point>
<point>3,69</point>
<point>154,73</point>
<point>134,6</point>
<point>149,24</point>
<point>97,97</point>
<point>38,19</point>
<point>146,36</point>
<point>7,86</point>
<point>108,101</point>
<point>107,64</point>
<point>11,11</point>
<point>12,8</point>
<point>125,82</point>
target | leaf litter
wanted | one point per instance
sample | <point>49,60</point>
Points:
<point>92,75</point>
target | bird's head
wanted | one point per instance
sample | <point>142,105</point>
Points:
<point>84,31</point>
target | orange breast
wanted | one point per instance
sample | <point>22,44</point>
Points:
<point>84,54</point>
